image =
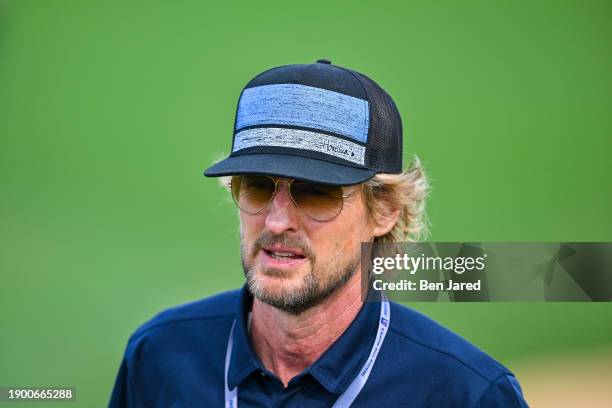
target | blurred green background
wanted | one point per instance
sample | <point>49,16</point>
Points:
<point>110,110</point>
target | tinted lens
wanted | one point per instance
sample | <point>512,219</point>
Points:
<point>252,193</point>
<point>318,201</point>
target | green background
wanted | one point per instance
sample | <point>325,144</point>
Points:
<point>110,110</point>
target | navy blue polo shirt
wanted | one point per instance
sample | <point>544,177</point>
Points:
<point>178,359</point>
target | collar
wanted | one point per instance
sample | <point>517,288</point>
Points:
<point>334,369</point>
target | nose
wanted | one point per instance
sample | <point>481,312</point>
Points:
<point>282,214</point>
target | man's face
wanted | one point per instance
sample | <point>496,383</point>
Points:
<point>293,262</point>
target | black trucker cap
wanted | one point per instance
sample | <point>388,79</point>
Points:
<point>316,122</point>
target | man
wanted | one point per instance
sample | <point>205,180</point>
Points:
<point>316,169</point>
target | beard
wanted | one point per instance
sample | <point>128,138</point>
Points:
<point>314,288</point>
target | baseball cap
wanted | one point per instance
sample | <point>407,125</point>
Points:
<point>316,122</point>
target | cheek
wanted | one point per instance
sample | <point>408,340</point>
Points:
<point>341,239</point>
<point>250,228</point>
<point>359,228</point>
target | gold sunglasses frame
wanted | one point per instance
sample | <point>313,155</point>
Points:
<point>278,180</point>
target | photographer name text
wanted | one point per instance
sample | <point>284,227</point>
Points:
<point>425,285</point>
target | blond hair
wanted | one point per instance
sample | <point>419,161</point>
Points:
<point>406,192</point>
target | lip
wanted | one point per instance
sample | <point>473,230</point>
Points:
<point>268,261</point>
<point>280,248</point>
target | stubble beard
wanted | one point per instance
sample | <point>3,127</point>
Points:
<point>314,288</point>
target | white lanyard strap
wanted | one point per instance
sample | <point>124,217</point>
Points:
<point>350,394</point>
<point>353,390</point>
<point>231,396</point>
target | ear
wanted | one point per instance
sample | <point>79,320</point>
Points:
<point>384,222</point>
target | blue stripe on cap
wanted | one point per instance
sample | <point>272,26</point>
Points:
<point>304,106</point>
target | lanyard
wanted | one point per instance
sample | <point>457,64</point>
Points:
<point>351,393</point>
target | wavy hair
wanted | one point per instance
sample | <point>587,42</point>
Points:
<point>406,192</point>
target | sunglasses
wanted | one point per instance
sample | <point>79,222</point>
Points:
<point>253,193</point>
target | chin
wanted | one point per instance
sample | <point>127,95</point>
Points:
<point>277,282</point>
<point>280,277</point>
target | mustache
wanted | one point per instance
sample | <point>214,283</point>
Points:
<point>267,239</point>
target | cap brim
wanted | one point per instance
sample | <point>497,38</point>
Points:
<point>303,168</point>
